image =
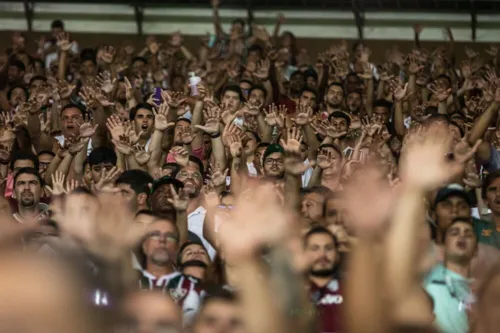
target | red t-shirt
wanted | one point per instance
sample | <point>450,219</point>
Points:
<point>328,301</point>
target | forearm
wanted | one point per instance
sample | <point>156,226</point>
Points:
<point>219,153</point>
<point>99,138</point>
<point>155,149</point>
<point>266,131</point>
<point>197,120</point>
<point>65,164</point>
<point>235,175</point>
<point>132,163</point>
<point>312,141</point>
<point>292,192</point>
<point>482,123</point>
<point>80,159</point>
<point>61,69</point>
<point>369,97</point>
<point>54,164</point>
<point>399,121</point>
<point>315,179</point>
<point>182,224</point>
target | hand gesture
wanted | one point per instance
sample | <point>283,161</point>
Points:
<point>253,107</point>
<point>87,130</point>
<point>161,122</point>
<point>131,134</point>
<point>122,145</point>
<point>441,93</point>
<point>107,181</point>
<point>181,155</point>
<point>324,159</point>
<point>141,155</point>
<point>400,92</point>
<point>57,184</point>
<point>45,125</point>
<point>76,145</point>
<point>472,178</point>
<point>275,116</point>
<point>235,146</point>
<point>108,54</point>
<point>414,67</point>
<point>216,176</point>
<point>63,42</point>
<point>304,115</point>
<point>105,83</point>
<point>115,127</point>
<point>180,200</point>
<point>262,72</point>
<point>212,120</point>
<point>294,165</point>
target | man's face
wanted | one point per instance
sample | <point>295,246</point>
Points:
<point>249,143</point>
<point>245,88</point>
<point>322,252</point>
<point>274,165</point>
<point>36,84</point>
<point>334,96</point>
<point>449,209</point>
<point>231,99</point>
<point>354,102</point>
<point>161,244</point>
<point>14,74</point>
<point>296,82</point>
<point>257,97</point>
<point>159,199</point>
<point>128,196</point>
<point>311,82</point>
<point>219,316</point>
<point>180,127</point>
<point>312,207</point>
<point>97,170</point>
<point>44,162</point>
<point>27,190</point>
<point>340,124</point>
<point>144,219</point>
<point>257,157</point>
<point>88,68</point>
<point>192,180</point>
<point>138,68</point>
<point>460,242</point>
<point>22,164</point>
<point>493,196</point>
<point>144,120</point>
<point>381,114</point>
<point>71,119</point>
<point>151,312</point>
<point>56,31</point>
<point>308,98</point>
<point>333,213</point>
<point>17,97</point>
<point>195,252</point>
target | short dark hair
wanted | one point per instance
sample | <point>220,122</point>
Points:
<point>174,166</point>
<point>17,63</point>
<point>20,155</point>
<point>38,77</point>
<point>48,152</point>
<point>57,24</point>
<point>255,48</point>
<point>137,179</point>
<point>320,230</point>
<point>263,144</point>
<point>102,155</point>
<point>196,160</point>
<point>28,171</point>
<point>147,212</point>
<point>139,59</point>
<point>234,88</point>
<point>306,89</point>
<point>218,293</point>
<point>73,106</point>
<point>258,87</point>
<point>239,21</point>
<point>444,76</point>
<point>383,103</point>
<point>134,110</point>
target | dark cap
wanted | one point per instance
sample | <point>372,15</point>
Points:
<point>273,148</point>
<point>452,190</point>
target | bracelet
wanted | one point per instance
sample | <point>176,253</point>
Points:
<point>215,136</point>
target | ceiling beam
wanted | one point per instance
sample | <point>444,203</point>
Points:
<point>139,18</point>
<point>473,19</point>
<point>359,17</point>
<point>29,13</point>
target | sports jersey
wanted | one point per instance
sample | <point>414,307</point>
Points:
<point>328,301</point>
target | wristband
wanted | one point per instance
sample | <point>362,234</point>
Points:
<point>215,136</point>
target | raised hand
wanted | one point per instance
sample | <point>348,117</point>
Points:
<point>253,107</point>
<point>76,145</point>
<point>181,155</point>
<point>115,127</point>
<point>294,164</point>
<point>262,72</point>
<point>161,122</point>
<point>212,120</point>
<point>63,41</point>
<point>123,145</point>
<point>45,125</point>
<point>108,54</point>
<point>180,199</point>
<point>131,134</point>
<point>107,181</point>
<point>235,146</point>
<point>400,92</point>
<point>304,115</point>
<point>105,83</point>
<point>141,155</point>
<point>57,184</point>
<point>324,160</point>
<point>216,176</point>
<point>87,130</point>
<point>440,92</point>
<point>275,116</point>
<point>414,67</point>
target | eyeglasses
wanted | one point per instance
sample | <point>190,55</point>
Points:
<point>275,161</point>
<point>167,236</point>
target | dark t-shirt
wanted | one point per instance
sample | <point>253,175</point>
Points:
<point>328,301</point>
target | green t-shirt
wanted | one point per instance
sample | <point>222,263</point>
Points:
<point>487,233</point>
<point>452,297</point>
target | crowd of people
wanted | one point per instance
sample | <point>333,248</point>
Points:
<point>244,187</point>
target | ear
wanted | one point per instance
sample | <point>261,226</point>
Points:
<point>142,199</point>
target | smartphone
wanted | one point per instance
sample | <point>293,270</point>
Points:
<point>157,95</point>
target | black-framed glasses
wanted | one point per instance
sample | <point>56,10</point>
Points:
<point>169,237</point>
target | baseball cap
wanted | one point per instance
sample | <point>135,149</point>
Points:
<point>455,190</point>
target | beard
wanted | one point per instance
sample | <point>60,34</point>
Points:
<point>160,257</point>
<point>334,105</point>
<point>27,200</point>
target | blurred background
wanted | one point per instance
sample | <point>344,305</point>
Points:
<point>316,23</point>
